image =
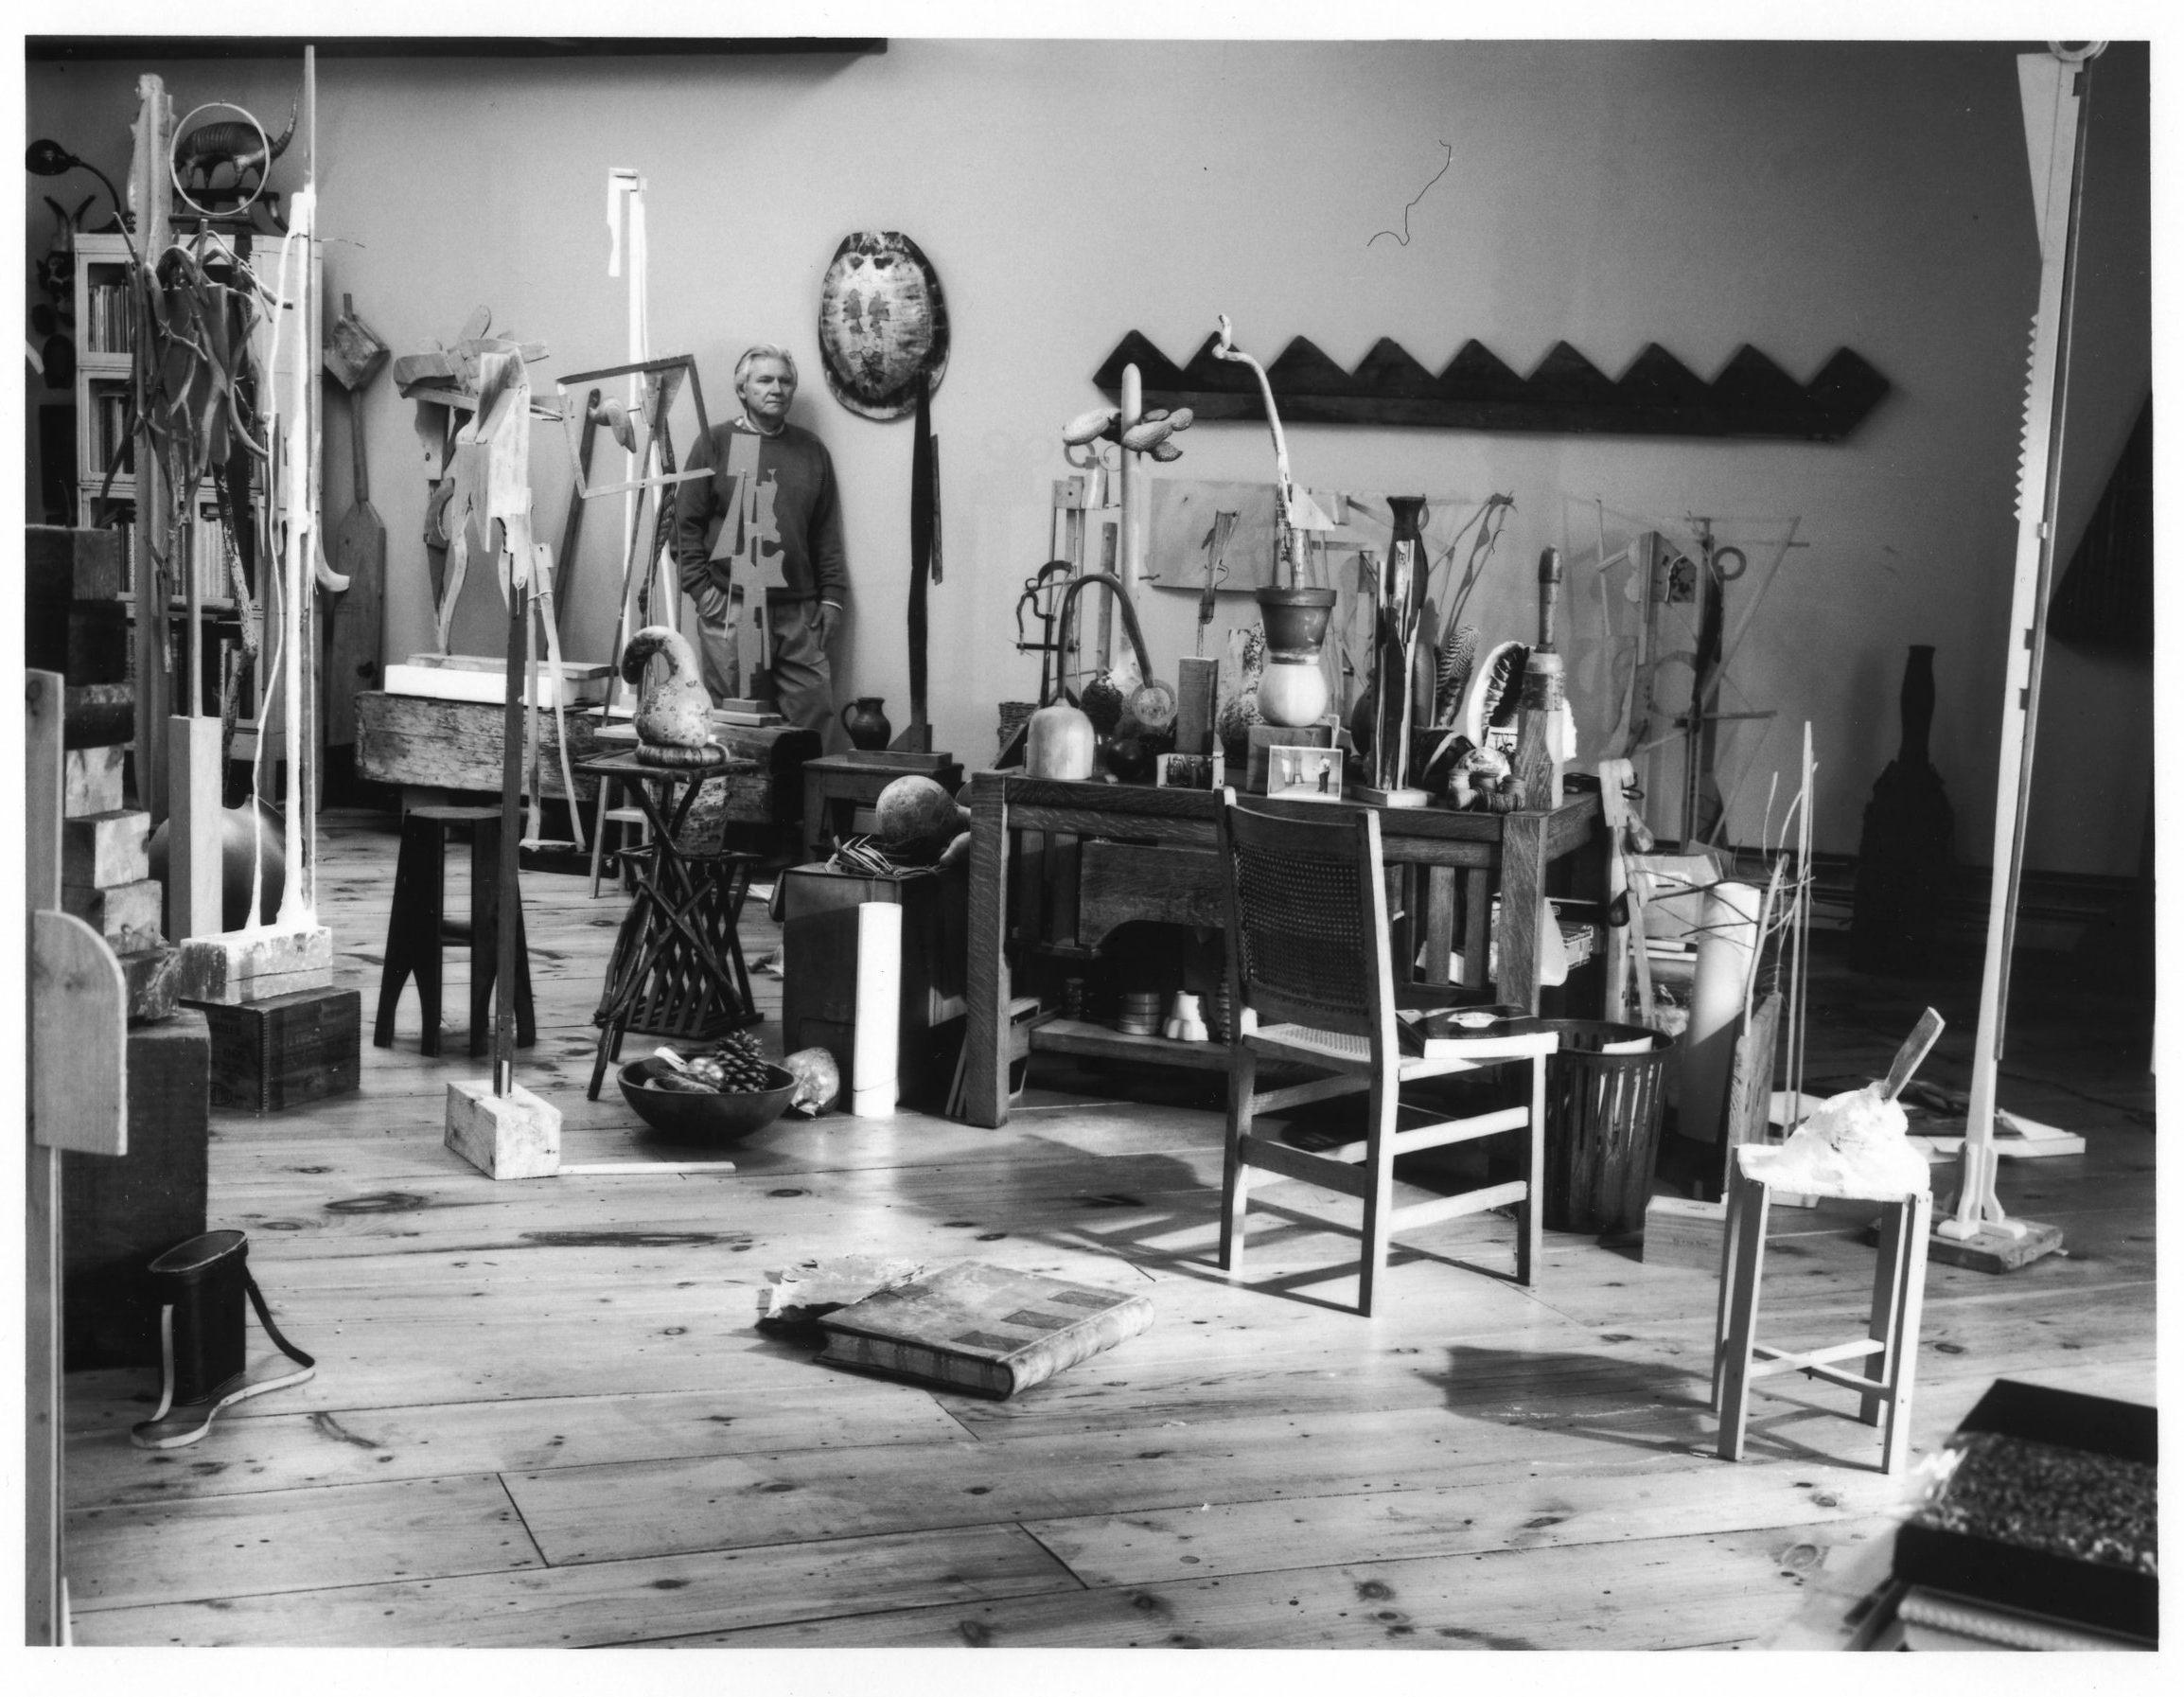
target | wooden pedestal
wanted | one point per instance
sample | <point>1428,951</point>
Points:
<point>1262,738</point>
<point>90,782</point>
<point>284,1050</point>
<point>1997,1252</point>
<point>120,1213</point>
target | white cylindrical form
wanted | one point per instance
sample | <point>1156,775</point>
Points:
<point>1131,547</point>
<point>879,1010</point>
<point>1728,938</point>
<point>297,574</point>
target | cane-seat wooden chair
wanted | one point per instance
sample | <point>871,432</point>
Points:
<point>1312,982</point>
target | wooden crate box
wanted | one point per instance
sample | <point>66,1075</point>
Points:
<point>284,1050</point>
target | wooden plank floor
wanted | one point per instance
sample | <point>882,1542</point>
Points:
<point>542,1415</point>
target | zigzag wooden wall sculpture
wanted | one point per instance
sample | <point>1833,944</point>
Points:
<point>1657,396</point>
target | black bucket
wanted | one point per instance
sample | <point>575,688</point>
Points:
<point>204,1281</point>
<point>1603,1124</point>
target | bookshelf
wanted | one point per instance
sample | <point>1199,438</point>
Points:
<point>104,378</point>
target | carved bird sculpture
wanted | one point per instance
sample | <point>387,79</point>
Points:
<point>673,709</point>
<point>614,414</point>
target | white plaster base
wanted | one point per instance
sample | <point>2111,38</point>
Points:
<point>515,1135</point>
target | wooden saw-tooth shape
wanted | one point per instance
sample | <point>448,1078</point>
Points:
<point>1656,394</point>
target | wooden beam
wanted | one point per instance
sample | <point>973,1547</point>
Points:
<point>154,511</point>
<point>193,863</point>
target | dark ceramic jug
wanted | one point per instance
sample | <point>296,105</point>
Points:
<point>866,723</point>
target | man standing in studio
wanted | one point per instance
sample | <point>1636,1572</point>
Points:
<point>766,520</point>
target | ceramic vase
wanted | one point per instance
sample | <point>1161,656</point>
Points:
<point>1292,687</point>
<point>1403,592</point>
<point>1059,743</point>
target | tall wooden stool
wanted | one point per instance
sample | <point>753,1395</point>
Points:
<point>1892,1330</point>
<point>419,924</point>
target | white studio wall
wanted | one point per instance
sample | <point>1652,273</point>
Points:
<point>1798,197</point>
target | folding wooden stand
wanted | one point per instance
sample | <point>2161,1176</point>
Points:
<point>678,966</point>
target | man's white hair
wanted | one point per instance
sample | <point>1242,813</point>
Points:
<point>764,350</point>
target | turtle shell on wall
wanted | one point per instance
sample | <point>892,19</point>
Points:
<point>883,324</point>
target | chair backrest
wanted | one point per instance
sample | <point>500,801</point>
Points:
<point>1308,924</point>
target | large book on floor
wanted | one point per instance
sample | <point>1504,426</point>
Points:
<point>982,1328</point>
<point>1937,1620</point>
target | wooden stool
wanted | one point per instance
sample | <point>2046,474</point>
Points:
<point>1891,1333</point>
<point>419,924</point>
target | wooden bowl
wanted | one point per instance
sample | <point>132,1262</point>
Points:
<point>715,1117</point>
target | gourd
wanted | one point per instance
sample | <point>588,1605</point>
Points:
<point>1060,741</point>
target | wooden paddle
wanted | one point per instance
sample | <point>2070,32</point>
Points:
<point>1913,1051</point>
<point>353,621</point>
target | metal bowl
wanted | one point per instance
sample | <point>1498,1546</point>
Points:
<point>719,1117</point>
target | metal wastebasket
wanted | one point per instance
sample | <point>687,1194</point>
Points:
<point>1603,1124</point>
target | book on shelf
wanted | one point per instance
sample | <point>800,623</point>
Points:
<point>982,1328</point>
<point>108,328</point>
<point>208,552</point>
<point>109,429</point>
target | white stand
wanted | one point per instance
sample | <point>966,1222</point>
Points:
<point>2048,87</point>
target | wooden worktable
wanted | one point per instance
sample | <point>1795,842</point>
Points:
<point>419,742</point>
<point>1148,854</point>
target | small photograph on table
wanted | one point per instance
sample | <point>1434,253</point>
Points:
<point>1186,771</point>
<point>1303,774</point>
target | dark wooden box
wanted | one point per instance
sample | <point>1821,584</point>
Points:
<point>61,565</point>
<point>819,913</point>
<point>2039,1582</point>
<point>284,1050</point>
<point>121,1212</point>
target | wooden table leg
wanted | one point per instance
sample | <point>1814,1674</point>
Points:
<point>1523,875</point>
<point>1440,883</point>
<point>1748,1208</point>
<point>813,812</point>
<point>1478,908</point>
<point>986,978</point>
<point>1590,880</point>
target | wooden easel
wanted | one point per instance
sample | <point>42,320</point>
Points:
<point>659,382</point>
